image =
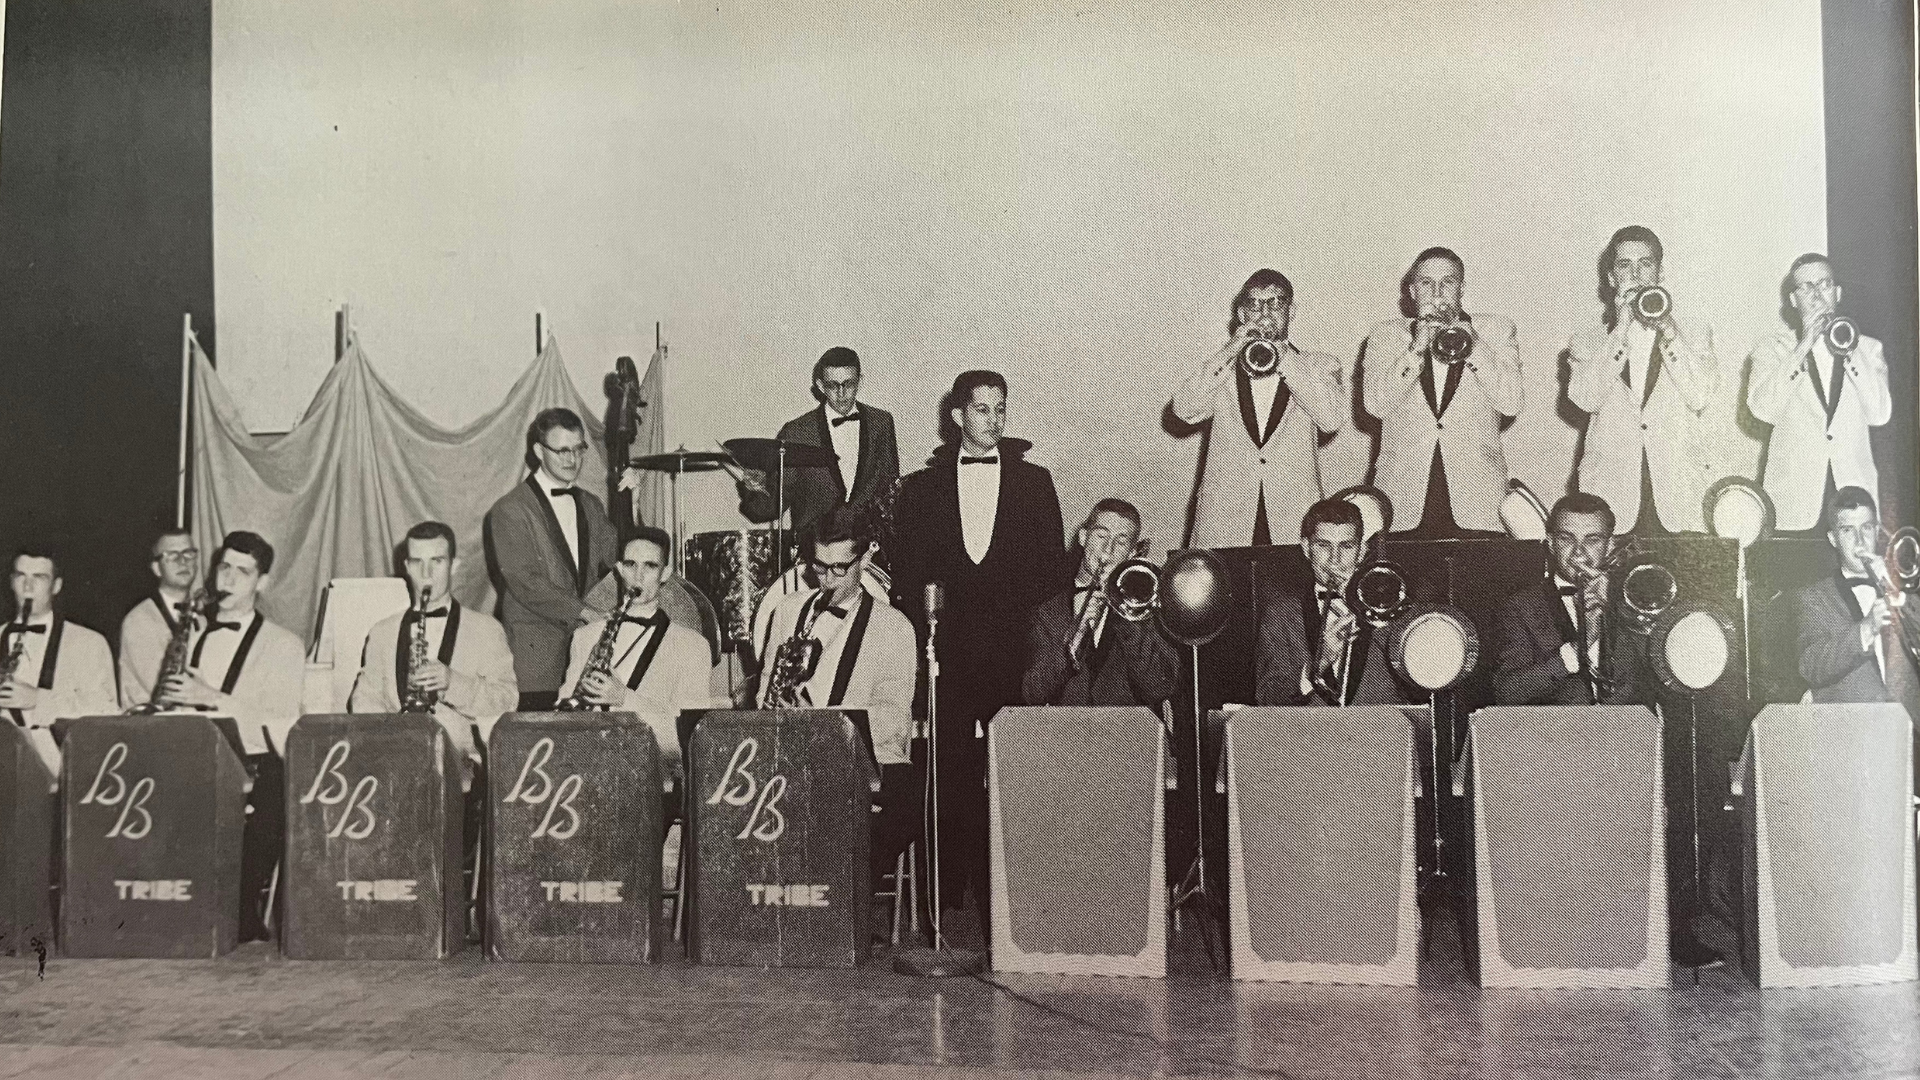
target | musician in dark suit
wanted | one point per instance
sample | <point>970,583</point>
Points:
<point>862,436</point>
<point>1314,649</point>
<point>1544,658</point>
<point>1080,652</point>
<point>1845,651</point>
<point>548,542</point>
<point>985,524</point>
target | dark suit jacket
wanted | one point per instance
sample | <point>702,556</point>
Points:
<point>541,595</point>
<point>988,604</point>
<point>1532,626</point>
<point>814,490</point>
<point>1832,662</point>
<point>1289,639</point>
<point>1134,664</point>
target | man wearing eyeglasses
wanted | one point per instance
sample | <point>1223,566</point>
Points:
<point>861,656</point>
<point>1265,481</point>
<point>1819,402</point>
<point>548,541</point>
<point>659,667</point>
<point>1080,652</point>
<point>149,625</point>
<point>861,436</point>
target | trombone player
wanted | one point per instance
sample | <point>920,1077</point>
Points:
<point>1440,460</point>
<point>1821,385</point>
<point>1085,651</point>
<point>1315,649</point>
<point>1843,619</point>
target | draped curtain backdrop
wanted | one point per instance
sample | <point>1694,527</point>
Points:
<point>336,495</point>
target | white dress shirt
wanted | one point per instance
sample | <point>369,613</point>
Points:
<point>629,643</point>
<point>215,649</point>
<point>1569,655</point>
<point>1865,596</point>
<point>565,511</point>
<point>1264,389</point>
<point>35,653</point>
<point>846,443</point>
<point>1640,339</point>
<point>979,487</point>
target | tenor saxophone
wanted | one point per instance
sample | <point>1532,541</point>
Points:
<point>599,660</point>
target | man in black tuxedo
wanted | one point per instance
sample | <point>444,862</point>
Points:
<point>1314,649</point>
<point>985,525</point>
<point>1556,644</point>
<point>860,434</point>
<point>1079,651</point>
<point>1846,653</point>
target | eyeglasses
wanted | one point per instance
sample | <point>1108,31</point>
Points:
<point>834,569</point>
<point>565,451</point>
<point>1271,303</point>
<point>188,555</point>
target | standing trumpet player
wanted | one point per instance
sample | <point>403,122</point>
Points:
<point>1283,398</point>
<point>1821,384</point>
<point>1314,648</point>
<point>447,657</point>
<point>1440,460</point>
<point>1082,651</point>
<point>1645,378</point>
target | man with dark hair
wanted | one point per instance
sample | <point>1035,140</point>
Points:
<point>468,669</point>
<point>659,668</point>
<point>1820,402</point>
<point>1273,474</point>
<point>1079,652</point>
<point>846,649</point>
<point>861,435</point>
<point>1645,377</point>
<point>1556,643</point>
<point>1846,650</point>
<point>985,525</point>
<point>252,670</point>
<point>548,542</point>
<point>149,625</point>
<point>1440,460</point>
<point>1314,648</point>
<point>62,669</point>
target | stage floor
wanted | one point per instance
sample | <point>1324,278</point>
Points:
<point>255,1015</point>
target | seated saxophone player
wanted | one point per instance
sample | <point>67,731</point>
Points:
<point>1314,649</point>
<point>151,625</point>
<point>439,656</point>
<point>638,660</point>
<point>49,668</point>
<point>248,668</point>
<point>1080,651</point>
<point>837,646</point>
<point>1555,643</point>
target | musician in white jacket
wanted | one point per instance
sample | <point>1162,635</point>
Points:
<point>1821,403</point>
<point>54,669</point>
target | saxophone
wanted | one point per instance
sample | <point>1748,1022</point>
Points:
<point>414,699</point>
<point>793,661</point>
<point>600,659</point>
<point>18,652</point>
<point>174,661</point>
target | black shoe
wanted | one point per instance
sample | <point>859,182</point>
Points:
<point>1689,951</point>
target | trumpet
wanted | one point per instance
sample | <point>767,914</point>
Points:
<point>1452,340</point>
<point>1896,574</point>
<point>1842,335</point>
<point>1261,354</point>
<point>1651,304</point>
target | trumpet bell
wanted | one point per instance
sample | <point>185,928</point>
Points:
<point>1260,356</point>
<point>1133,589</point>
<point>1452,344</point>
<point>1378,593</point>
<point>1652,303</point>
<point>1842,335</point>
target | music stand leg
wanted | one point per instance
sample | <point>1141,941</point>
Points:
<point>1192,890</point>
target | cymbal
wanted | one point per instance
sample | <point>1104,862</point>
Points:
<point>764,454</point>
<point>682,460</point>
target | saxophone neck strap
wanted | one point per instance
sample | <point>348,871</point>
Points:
<point>658,633</point>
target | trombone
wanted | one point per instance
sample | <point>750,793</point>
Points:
<point>1896,573</point>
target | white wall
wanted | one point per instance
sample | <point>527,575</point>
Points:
<point>1070,196</point>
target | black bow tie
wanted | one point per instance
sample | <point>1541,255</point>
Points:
<point>569,492</point>
<point>988,460</point>
<point>1327,595</point>
<point>836,612</point>
<point>1570,590</point>
<point>850,418</point>
<point>211,627</point>
<point>436,613</point>
<point>1856,582</point>
<point>642,620</point>
<point>29,628</point>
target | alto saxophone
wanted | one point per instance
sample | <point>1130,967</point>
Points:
<point>793,662</point>
<point>417,699</point>
<point>600,660</point>
<point>18,652</point>
<point>174,661</point>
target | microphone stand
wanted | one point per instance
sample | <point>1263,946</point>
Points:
<point>1192,891</point>
<point>938,962</point>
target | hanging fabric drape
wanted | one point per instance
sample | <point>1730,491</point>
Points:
<point>336,495</point>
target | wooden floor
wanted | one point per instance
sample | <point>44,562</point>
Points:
<point>253,1014</point>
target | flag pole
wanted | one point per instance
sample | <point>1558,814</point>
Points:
<point>186,401</point>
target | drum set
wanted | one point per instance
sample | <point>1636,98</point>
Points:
<point>735,568</point>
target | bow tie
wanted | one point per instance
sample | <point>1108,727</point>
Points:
<point>569,492</point>
<point>29,628</point>
<point>211,627</point>
<point>1570,590</point>
<point>836,612</point>
<point>436,613</point>
<point>988,460</point>
<point>850,418</point>
<point>1856,582</point>
<point>1327,595</point>
<point>641,620</point>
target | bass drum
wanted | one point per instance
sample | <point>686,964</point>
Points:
<point>734,569</point>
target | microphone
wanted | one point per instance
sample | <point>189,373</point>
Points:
<point>934,600</point>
